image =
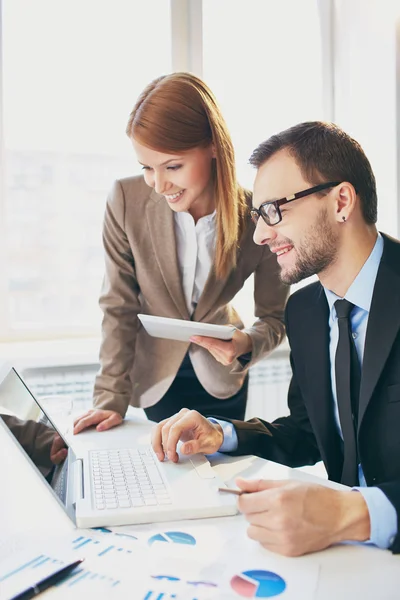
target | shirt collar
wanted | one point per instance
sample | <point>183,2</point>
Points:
<point>183,218</point>
<point>361,290</point>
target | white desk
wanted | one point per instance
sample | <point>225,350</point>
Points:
<point>346,571</point>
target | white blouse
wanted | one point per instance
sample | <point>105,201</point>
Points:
<point>195,248</point>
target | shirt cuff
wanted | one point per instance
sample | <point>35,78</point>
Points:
<point>382,514</point>
<point>230,442</point>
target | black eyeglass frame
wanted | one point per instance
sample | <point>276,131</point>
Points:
<point>256,213</point>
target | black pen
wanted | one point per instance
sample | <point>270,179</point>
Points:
<point>47,582</point>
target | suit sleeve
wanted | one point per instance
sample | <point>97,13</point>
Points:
<point>270,296</point>
<point>287,440</point>
<point>119,302</point>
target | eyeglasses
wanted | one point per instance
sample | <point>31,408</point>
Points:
<point>270,211</point>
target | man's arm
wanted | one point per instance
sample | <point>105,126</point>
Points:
<point>392,492</point>
<point>288,440</point>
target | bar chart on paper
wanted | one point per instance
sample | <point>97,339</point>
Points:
<point>29,572</point>
<point>26,568</point>
<point>98,546</point>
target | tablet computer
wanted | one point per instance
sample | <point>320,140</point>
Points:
<point>181,330</point>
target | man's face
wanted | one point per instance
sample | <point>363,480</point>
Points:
<point>305,241</point>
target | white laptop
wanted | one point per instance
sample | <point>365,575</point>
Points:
<point>181,330</point>
<point>119,486</point>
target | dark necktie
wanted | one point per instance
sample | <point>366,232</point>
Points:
<point>347,373</point>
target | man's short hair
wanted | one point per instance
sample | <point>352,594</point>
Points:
<point>324,152</point>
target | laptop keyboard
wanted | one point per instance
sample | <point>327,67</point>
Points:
<point>127,478</point>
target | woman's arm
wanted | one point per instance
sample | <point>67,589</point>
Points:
<point>270,296</point>
<point>119,302</point>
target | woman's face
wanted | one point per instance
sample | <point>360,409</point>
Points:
<point>185,179</point>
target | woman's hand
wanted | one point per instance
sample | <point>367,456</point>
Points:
<point>224,351</point>
<point>103,419</point>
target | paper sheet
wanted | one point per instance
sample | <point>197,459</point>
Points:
<point>190,560</point>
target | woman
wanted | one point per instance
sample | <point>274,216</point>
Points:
<point>178,243</point>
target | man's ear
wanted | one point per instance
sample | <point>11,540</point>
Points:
<point>345,201</point>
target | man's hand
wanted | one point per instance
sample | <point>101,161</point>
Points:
<point>189,426</point>
<point>58,451</point>
<point>223,351</point>
<point>294,518</point>
<point>104,419</point>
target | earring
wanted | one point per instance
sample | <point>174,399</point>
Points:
<point>343,219</point>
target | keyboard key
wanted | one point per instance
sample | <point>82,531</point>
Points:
<point>137,502</point>
<point>150,502</point>
<point>154,475</point>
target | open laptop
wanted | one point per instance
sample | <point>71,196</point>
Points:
<point>111,486</point>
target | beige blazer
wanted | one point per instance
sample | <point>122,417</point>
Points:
<point>142,276</point>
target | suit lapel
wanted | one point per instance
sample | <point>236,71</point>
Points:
<point>313,352</point>
<point>383,326</point>
<point>160,220</point>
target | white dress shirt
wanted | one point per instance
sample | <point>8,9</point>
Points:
<point>195,243</point>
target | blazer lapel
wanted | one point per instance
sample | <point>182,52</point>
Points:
<point>160,220</point>
<point>211,292</point>
<point>382,329</point>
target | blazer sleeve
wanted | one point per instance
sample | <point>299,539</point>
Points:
<point>119,301</point>
<point>288,440</point>
<point>270,296</point>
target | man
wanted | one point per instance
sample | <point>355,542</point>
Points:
<point>346,416</point>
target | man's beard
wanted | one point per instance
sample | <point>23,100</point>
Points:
<point>317,251</point>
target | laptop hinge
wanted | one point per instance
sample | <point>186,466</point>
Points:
<point>78,480</point>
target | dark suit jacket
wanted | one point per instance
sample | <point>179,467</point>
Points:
<point>309,433</point>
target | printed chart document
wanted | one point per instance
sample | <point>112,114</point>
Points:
<point>190,560</point>
<point>186,560</point>
<point>214,559</point>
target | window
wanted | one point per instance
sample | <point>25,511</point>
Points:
<point>71,71</point>
<point>262,59</point>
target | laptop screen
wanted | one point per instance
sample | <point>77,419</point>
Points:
<point>34,431</point>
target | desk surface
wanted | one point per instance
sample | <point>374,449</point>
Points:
<point>346,571</point>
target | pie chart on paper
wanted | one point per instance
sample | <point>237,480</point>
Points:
<point>258,584</point>
<point>173,537</point>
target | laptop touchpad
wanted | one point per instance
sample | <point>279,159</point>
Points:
<point>202,466</point>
